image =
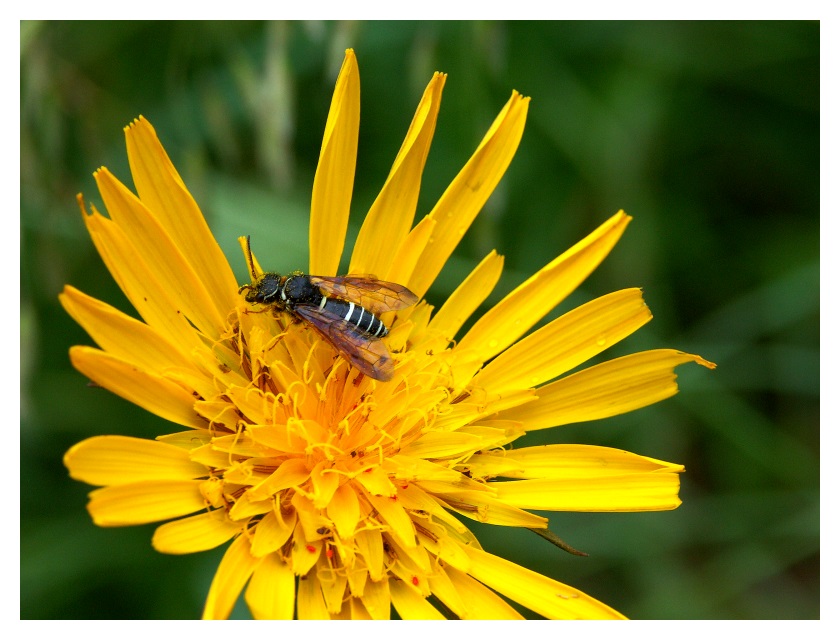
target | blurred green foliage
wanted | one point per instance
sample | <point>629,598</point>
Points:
<point>706,132</point>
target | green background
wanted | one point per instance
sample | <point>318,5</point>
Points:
<point>706,132</point>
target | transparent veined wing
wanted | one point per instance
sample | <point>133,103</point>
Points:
<point>369,355</point>
<point>377,296</point>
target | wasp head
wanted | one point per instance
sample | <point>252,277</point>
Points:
<point>265,289</point>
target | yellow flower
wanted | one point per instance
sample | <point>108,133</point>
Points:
<point>337,491</point>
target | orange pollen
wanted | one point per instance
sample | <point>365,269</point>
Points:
<point>310,548</point>
<point>415,580</point>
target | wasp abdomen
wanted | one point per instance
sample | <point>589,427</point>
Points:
<point>355,315</point>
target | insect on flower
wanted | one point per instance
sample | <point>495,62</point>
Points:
<point>345,310</point>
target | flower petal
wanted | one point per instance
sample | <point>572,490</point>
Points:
<point>483,507</point>
<point>197,533</point>
<point>369,546</point>
<point>310,600</point>
<point>468,296</point>
<point>604,390</point>
<point>390,217</point>
<point>163,192</point>
<point>305,553</point>
<point>645,491</point>
<point>377,599</point>
<point>481,603</point>
<point>559,461</point>
<point>107,460</point>
<point>394,514</point>
<point>500,327</point>
<point>142,502</point>
<point>324,484</point>
<point>160,255</point>
<point>121,335</point>
<point>154,393</point>
<point>271,593</point>
<point>466,195</point>
<point>236,567</point>
<point>545,596</point>
<point>410,250</point>
<point>566,342</point>
<point>333,186</point>
<point>150,297</point>
<point>443,589</point>
<point>333,585</point>
<point>344,510</point>
<point>358,611</point>
<point>272,532</point>
<point>410,605</point>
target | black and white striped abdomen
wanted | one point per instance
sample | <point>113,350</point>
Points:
<point>355,315</point>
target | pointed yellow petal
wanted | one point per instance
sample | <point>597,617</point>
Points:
<point>540,594</point>
<point>376,481</point>
<point>107,460</point>
<point>466,195</point>
<point>529,302</point>
<point>565,342</point>
<point>410,250</point>
<point>305,553</point>
<point>236,567</point>
<point>164,193</point>
<point>310,600</point>
<point>142,502</point>
<point>377,599</point>
<point>121,335</point>
<point>369,546</point>
<point>410,605</point>
<point>153,393</point>
<point>271,593</point>
<point>197,533</point>
<point>160,255</point>
<point>445,591</point>
<point>604,390</point>
<point>358,611</point>
<point>344,510</point>
<point>333,187</point>
<point>440,445</point>
<point>468,296</point>
<point>481,603</point>
<point>646,491</point>
<point>483,507</point>
<point>324,485</point>
<point>392,213</point>
<point>150,297</point>
<point>437,445</point>
<point>333,585</point>
<point>393,513</point>
<point>559,461</point>
<point>271,533</point>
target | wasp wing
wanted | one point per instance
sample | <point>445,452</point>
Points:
<point>369,355</point>
<point>377,296</point>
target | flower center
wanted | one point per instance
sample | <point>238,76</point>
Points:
<point>305,451</point>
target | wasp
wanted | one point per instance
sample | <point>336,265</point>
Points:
<point>345,310</point>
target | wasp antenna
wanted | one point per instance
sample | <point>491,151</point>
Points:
<point>250,257</point>
<point>245,245</point>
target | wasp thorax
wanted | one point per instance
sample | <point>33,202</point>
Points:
<point>298,289</point>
